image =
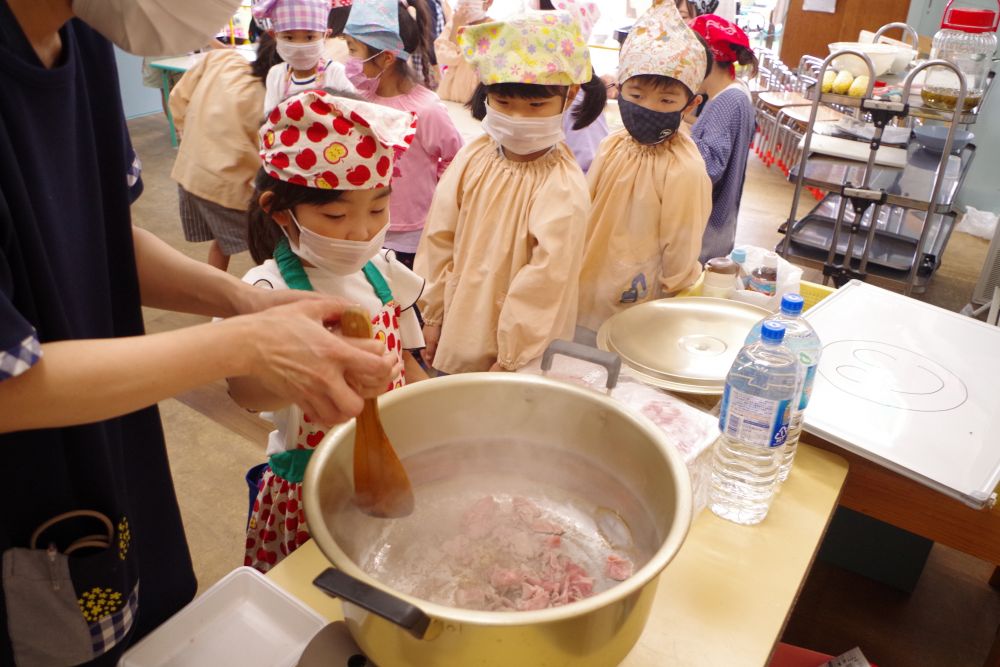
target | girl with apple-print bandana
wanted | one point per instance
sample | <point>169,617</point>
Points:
<point>318,218</point>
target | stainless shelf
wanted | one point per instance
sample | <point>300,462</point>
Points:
<point>918,108</point>
<point>909,187</point>
<point>894,245</point>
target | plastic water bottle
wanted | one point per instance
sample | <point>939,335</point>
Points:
<point>802,340</point>
<point>761,389</point>
<point>739,255</point>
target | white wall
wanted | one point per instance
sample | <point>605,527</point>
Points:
<point>137,99</point>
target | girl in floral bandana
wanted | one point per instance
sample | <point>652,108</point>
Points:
<point>502,248</point>
<point>319,216</point>
<point>651,195</point>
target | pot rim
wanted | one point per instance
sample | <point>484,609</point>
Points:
<point>640,578</point>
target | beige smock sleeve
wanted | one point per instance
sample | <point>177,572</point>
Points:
<point>435,259</point>
<point>541,302</point>
<point>687,205</point>
<point>180,95</point>
<point>459,80</point>
<point>650,205</point>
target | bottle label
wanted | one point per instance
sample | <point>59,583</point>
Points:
<point>753,420</point>
<point>807,383</point>
<point>762,285</point>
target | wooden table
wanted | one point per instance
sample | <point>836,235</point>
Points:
<point>725,598</point>
<point>888,496</point>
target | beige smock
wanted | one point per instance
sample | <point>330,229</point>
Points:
<point>217,106</point>
<point>649,211</point>
<point>501,254</point>
<point>459,80</point>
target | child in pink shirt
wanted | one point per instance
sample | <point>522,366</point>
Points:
<point>381,37</point>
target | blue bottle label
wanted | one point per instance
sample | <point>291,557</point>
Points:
<point>807,385</point>
<point>754,420</point>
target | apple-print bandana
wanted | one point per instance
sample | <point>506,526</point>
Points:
<point>319,140</point>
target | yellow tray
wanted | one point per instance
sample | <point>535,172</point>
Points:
<point>812,293</point>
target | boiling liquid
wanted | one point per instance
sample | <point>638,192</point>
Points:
<point>570,490</point>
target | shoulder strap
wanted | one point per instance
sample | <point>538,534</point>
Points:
<point>290,267</point>
<point>378,283</point>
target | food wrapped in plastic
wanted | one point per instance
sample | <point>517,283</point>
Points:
<point>690,430</point>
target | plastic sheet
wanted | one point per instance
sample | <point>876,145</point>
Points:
<point>691,430</point>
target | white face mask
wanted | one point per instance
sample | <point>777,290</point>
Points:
<point>337,256</point>
<point>156,27</point>
<point>301,56</point>
<point>523,136</point>
<point>475,9</point>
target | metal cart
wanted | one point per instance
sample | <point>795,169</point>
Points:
<point>912,207</point>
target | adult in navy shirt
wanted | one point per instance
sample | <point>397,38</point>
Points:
<point>79,380</point>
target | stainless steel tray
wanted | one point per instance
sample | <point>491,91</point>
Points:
<point>684,344</point>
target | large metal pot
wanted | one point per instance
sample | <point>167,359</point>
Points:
<point>579,424</point>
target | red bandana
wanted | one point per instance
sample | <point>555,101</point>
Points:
<point>721,36</point>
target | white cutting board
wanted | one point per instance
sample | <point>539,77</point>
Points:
<point>910,386</point>
<point>849,149</point>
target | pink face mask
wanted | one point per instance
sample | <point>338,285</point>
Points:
<point>355,70</point>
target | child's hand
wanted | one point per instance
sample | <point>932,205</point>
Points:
<point>432,334</point>
<point>296,357</point>
<point>497,368</point>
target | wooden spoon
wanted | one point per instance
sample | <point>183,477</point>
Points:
<point>381,486</point>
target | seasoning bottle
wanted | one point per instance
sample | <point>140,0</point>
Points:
<point>967,39</point>
<point>764,278</point>
<point>739,255</point>
<point>721,274</point>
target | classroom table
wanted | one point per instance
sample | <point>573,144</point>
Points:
<point>181,64</point>
<point>725,598</point>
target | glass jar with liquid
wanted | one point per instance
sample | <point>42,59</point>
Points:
<point>968,40</point>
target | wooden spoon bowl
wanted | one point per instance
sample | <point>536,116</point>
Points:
<point>381,486</point>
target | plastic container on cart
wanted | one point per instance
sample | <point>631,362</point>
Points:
<point>968,40</point>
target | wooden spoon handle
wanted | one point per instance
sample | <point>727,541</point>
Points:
<point>356,323</point>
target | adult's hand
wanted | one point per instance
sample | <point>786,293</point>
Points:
<point>298,359</point>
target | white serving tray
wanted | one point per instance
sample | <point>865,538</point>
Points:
<point>910,386</point>
<point>849,149</point>
<point>243,620</point>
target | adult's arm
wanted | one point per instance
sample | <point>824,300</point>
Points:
<point>170,280</point>
<point>287,348</point>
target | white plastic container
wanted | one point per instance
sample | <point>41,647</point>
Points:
<point>242,620</point>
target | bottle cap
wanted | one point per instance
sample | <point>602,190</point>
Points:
<point>791,304</point>
<point>738,255</point>
<point>722,265</point>
<point>772,332</point>
<point>771,260</point>
<point>969,20</point>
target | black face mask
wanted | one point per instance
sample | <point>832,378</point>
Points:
<point>647,126</point>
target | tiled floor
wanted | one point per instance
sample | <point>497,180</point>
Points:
<point>949,620</point>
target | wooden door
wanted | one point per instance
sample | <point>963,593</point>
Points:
<point>808,33</point>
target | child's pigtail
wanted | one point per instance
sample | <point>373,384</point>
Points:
<point>595,99</point>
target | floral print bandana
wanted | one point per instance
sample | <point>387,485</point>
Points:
<point>660,43</point>
<point>544,48</point>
